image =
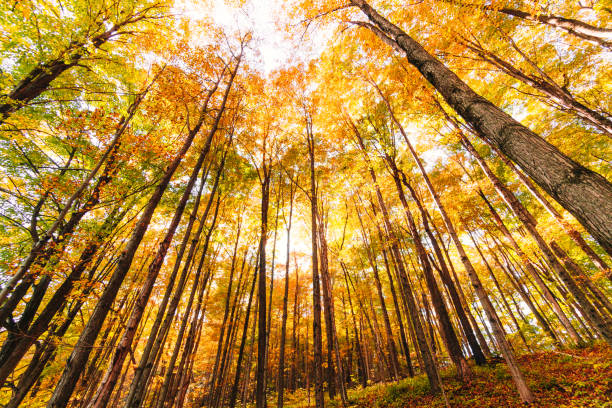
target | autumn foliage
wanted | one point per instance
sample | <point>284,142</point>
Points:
<point>305,203</point>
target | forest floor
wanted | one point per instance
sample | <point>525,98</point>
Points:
<point>568,378</point>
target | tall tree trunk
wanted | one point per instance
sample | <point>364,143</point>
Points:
<point>333,348</point>
<point>234,391</point>
<point>169,303</point>
<point>82,349</point>
<point>448,334</point>
<point>17,345</point>
<point>506,349</point>
<point>548,295</point>
<point>396,306</point>
<point>272,268</point>
<point>390,343</point>
<point>361,371</point>
<point>215,377</point>
<point>141,372</point>
<point>316,290</point>
<point>281,358</point>
<point>260,395</point>
<point>584,193</point>
<point>529,223</point>
<point>295,340</point>
<point>477,352</point>
<point>113,372</point>
<point>580,276</point>
<point>429,362</point>
<point>571,231</point>
<point>518,286</point>
<point>499,289</point>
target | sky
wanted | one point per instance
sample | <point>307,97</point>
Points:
<point>272,49</point>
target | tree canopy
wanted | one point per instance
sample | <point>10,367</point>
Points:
<point>296,203</point>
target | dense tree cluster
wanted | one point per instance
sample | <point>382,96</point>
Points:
<point>426,188</point>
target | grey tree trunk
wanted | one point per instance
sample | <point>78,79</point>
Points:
<point>584,193</point>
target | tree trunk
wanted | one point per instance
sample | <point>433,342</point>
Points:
<point>547,294</point>
<point>260,394</point>
<point>429,362</point>
<point>571,231</point>
<point>316,290</point>
<point>529,223</point>
<point>16,346</point>
<point>502,342</point>
<point>82,349</point>
<point>143,370</point>
<point>234,391</point>
<point>602,36</point>
<point>113,372</point>
<point>448,334</point>
<point>281,358</point>
<point>584,193</point>
<point>524,391</point>
<point>477,352</point>
<point>390,343</point>
<point>333,348</point>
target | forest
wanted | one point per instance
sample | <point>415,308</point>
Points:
<point>305,203</point>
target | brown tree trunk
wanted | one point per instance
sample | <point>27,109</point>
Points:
<point>500,290</point>
<point>571,231</point>
<point>602,36</point>
<point>78,359</point>
<point>281,358</point>
<point>169,303</point>
<point>397,309</point>
<point>518,286</point>
<point>361,370</point>
<point>260,394</point>
<point>234,391</point>
<point>390,343</point>
<point>504,345</point>
<point>316,290</point>
<point>17,345</point>
<point>581,277</point>
<point>529,223</point>
<point>584,193</point>
<point>333,348</point>
<point>113,372</point>
<point>429,363</point>
<point>448,334</point>
<point>477,352</point>
<point>295,340</point>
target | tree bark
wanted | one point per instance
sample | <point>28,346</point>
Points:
<point>529,223</point>
<point>281,358</point>
<point>316,290</point>
<point>571,231</point>
<point>429,362</point>
<point>260,394</point>
<point>234,391</point>
<point>477,352</point>
<point>506,349</point>
<point>82,349</point>
<point>584,193</point>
